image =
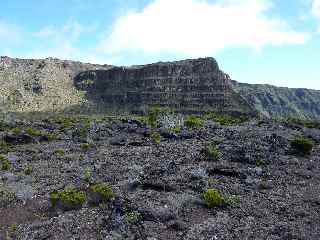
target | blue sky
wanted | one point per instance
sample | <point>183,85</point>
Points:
<point>256,41</point>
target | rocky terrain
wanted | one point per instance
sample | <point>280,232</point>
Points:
<point>199,178</point>
<point>190,86</point>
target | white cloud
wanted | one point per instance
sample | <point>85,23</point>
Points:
<point>316,8</point>
<point>316,11</point>
<point>198,28</point>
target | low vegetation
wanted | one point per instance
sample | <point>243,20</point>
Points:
<point>156,138</point>
<point>302,146</point>
<point>101,192</point>
<point>212,152</point>
<point>194,122</point>
<point>226,120</point>
<point>213,198</point>
<point>5,163</point>
<point>68,199</point>
<point>304,123</point>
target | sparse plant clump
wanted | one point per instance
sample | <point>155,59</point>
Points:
<point>133,217</point>
<point>87,146</point>
<point>16,131</point>
<point>60,152</point>
<point>68,199</point>
<point>193,122</point>
<point>153,117</point>
<point>34,132</point>
<point>213,198</point>
<point>4,147</point>
<point>212,153</point>
<point>87,175</point>
<point>101,192</point>
<point>156,138</point>
<point>226,120</point>
<point>302,146</point>
<point>28,170</point>
<point>5,163</point>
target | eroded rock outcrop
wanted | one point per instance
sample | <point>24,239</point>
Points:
<point>188,86</point>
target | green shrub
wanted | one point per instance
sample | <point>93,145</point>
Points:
<point>16,131</point>
<point>103,191</point>
<point>133,217</point>
<point>51,136</point>
<point>156,138</point>
<point>153,117</point>
<point>34,132</point>
<point>213,198</point>
<point>212,153</point>
<point>4,147</point>
<point>302,146</point>
<point>193,122</point>
<point>5,163</point>
<point>226,120</point>
<point>60,152</point>
<point>87,146</point>
<point>28,170</point>
<point>88,175</point>
<point>68,199</point>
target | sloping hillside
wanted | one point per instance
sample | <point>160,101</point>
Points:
<point>279,102</point>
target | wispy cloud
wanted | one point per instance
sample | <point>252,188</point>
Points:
<point>63,42</point>
<point>198,28</point>
<point>316,11</point>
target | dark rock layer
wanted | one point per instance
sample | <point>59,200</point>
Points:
<point>189,86</point>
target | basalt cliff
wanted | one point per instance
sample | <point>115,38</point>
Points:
<point>190,86</point>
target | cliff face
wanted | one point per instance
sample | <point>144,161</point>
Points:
<point>188,86</point>
<point>279,102</point>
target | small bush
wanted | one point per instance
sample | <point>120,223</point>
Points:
<point>302,146</point>
<point>87,146</point>
<point>34,132</point>
<point>156,138</point>
<point>60,152</point>
<point>101,192</point>
<point>68,199</point>
<point>193,122</point>
<point>88,175</point>
<point>153,117</point>
<point>4,147</point>
<point>133,217</point>
<point>212,153</point>
<point>5,163</point>
<point>213,198</point>
<point>28,170</point>
<point>16,131</point>
<point>226,120</point>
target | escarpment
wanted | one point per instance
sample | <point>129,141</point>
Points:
<point>190,86</point>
